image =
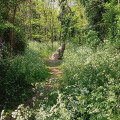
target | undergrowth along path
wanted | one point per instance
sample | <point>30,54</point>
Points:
<point>55,73</point>
<point>42,89</point>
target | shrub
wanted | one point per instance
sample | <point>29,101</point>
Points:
<point>111,20</point>
<point>17,74</point>
<point>91,39</point>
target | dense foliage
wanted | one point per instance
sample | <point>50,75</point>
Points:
<point>90,90</point>
<point>31,30</point>
<point>103,17</point>
<point>17,74</point>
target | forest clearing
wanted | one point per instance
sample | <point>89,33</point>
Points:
<point>59,60</point>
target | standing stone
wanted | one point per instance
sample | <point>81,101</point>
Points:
<point>59,53</point>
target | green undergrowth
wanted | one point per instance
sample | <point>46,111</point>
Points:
<point>91,89</point>
<point>45,49</point>
<point>19,74</point>
<point>92,83</point>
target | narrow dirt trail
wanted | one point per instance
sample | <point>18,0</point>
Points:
<point>42,90</point>
<point>55,71</point>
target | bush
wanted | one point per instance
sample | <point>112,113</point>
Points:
<point>19,38</point>
<point>111,20</point>
<point>17,74</point>
<point>91,39</point>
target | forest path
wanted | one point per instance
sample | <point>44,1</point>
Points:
<point>42,89</point>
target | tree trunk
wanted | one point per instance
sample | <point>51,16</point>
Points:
<point>11,31</point>
<point>118,4</point>
<point>60,36</point>
<point>30,27</point>
<point>52,24</point>
<point>46,21</point>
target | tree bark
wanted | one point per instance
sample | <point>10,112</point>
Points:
<point>46,21</point>
<point>118,4</point>
<point>11,31</point>
<point>52,34</point>
<point>30,27</point>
